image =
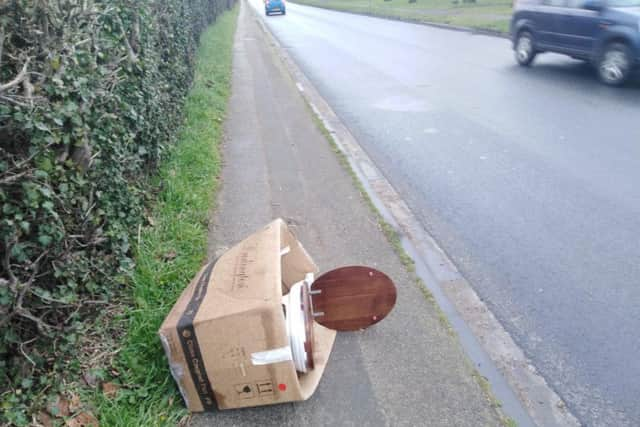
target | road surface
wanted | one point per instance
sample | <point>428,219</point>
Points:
<point>528,178</point>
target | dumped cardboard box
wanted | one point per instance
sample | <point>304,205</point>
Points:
<point>226,337</point>
<point>245,333</point>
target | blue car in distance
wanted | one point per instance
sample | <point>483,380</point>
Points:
<point>271,6</point>
<point>604,32</point>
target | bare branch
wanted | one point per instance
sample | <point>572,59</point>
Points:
<point>31,157</point>
<point>42,325</point>
<point>13,101</point>
<point>27,286</point>
<point>1,42</point>
<point>28,89</point>
<point>81,42</point>
<point>70,316</point>
<point>6,264</point>
<point>133,58</point>
<point>18,79</point>
<point>18,308</point>
<point>24,353</point>
<point>12,178</point>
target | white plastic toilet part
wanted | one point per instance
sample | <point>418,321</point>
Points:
<point>296,323</point>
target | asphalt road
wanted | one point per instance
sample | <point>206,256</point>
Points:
<point>528,178</point>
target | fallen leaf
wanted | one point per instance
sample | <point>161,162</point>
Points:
<point>151,221</point>
<point>90,378</point>
<point>44,419</point>
<point>59,408</point>
<point>83,419</point>
<point>75,404</point>
<point>110,389</point>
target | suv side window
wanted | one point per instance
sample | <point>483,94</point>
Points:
<point>555,3</point>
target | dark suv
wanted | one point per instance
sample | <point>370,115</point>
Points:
<point>603,32</point>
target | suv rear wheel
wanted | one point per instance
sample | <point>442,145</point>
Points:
<point>614,65</point>
<point>525,49</point>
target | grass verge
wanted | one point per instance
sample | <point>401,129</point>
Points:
<point>492,15</point>
<point>172,247</point>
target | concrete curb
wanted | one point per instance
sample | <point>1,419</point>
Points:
<point>525,395</point>
<point>476,31</point>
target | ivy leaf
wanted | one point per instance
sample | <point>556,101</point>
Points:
<point>70,107</point>
<point>40,174</point>
<point>5,299</point>
<point>44,239</point>
<point>41,126</point>
<point>55,63</point>
<point>45,192</point>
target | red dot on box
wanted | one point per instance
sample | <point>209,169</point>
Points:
<point>282,387</point>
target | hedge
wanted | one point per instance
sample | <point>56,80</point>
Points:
<point>90,96</point>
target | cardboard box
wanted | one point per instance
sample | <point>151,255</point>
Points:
<point>226,338</point>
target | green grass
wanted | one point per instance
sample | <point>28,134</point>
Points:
<point>173,248</point>
<point>484,14</point>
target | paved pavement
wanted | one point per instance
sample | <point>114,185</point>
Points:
<point>526,177</point>
<point>405,371</point>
